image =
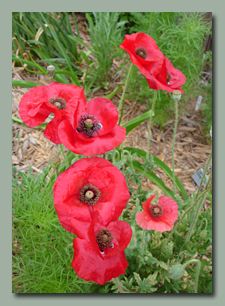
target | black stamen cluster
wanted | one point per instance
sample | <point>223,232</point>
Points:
<point>141,52</point>
<point>89,131</point>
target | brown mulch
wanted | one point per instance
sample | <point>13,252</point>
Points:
<point>31,148</point>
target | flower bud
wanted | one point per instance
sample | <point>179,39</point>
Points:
<point>51,70</point>
<point>176,95</point>
<point>203,234</point>
<point>147,237</point>
<point>176,271</point>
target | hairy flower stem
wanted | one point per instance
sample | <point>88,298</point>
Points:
<point>66,160</point>
<point>123,94</point>
<point>173,145</point>
<point>204,173</point>
<point>198,267</point>
<point>121,288</point>
<point>149,124</point>
<point>143,243</point>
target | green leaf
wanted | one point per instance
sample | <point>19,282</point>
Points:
<point>130,125</point>
<point>43,125</point>
<point>168,249</point>
<point>27,84</point>
<point>113,93</point>
<point>154,178</point>
<point>78,40</point>
<point>63,51</point>
<point>163,265</point>
<point>85,57</point>
<point>29,63</point>
<point>164,167</point>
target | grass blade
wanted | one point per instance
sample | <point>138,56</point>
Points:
<point>27,84</point>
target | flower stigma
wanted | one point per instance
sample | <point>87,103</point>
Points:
<point>89,194</point>
<point>141,52</point>
<point>88,124</point>
<point>60,103</point>
<point>156,210</point>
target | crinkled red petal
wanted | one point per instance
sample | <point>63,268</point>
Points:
<point>154,60</point>
<point>91,266</point>
<point>105,112</point>
<point>163,223</point>
<point>160,81</point>
<point>121,232</point>
<point>34,107</point>
<point>105,177</point>
<point>64,91</point>
<point>90,146</point>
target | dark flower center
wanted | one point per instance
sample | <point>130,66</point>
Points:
<point>104,239</point>
<point>88,124</point>
<point>156,210</point>
<point>169,77</point>
<point>141,52</point>
<point>60,103</point>
<point>89,194</point>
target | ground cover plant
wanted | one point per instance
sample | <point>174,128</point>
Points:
<point>80,226</point>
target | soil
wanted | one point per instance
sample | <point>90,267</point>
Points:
<point>31,148</point>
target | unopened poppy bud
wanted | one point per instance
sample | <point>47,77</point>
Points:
<point>147,237</point>
<point>176,271</point>
<point>51,70</point>
<point>54,161</point>
<point>203,234</point>
<point>176,95</point>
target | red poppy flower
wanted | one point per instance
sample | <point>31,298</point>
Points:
<point>169,78</point>
<point>39,102</point>
<point>89,185</point>
<point>144,53</point>
<point>158,70</point>
<point>159,217</point>
<point>100,257</point>
<point>92,130</point>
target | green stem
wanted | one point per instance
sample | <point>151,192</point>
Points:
<point>173,145</point>
<point>143,243</point>
<point>66,160</point>
<point>198,267</point>
<point>123,94</point>
<point>204,173</point>
<point>150,121</point>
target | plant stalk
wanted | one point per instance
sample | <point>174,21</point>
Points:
<point>123,94</point>
<point>149,124</point>
<point>173,145</point>
<point>66,160</point>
